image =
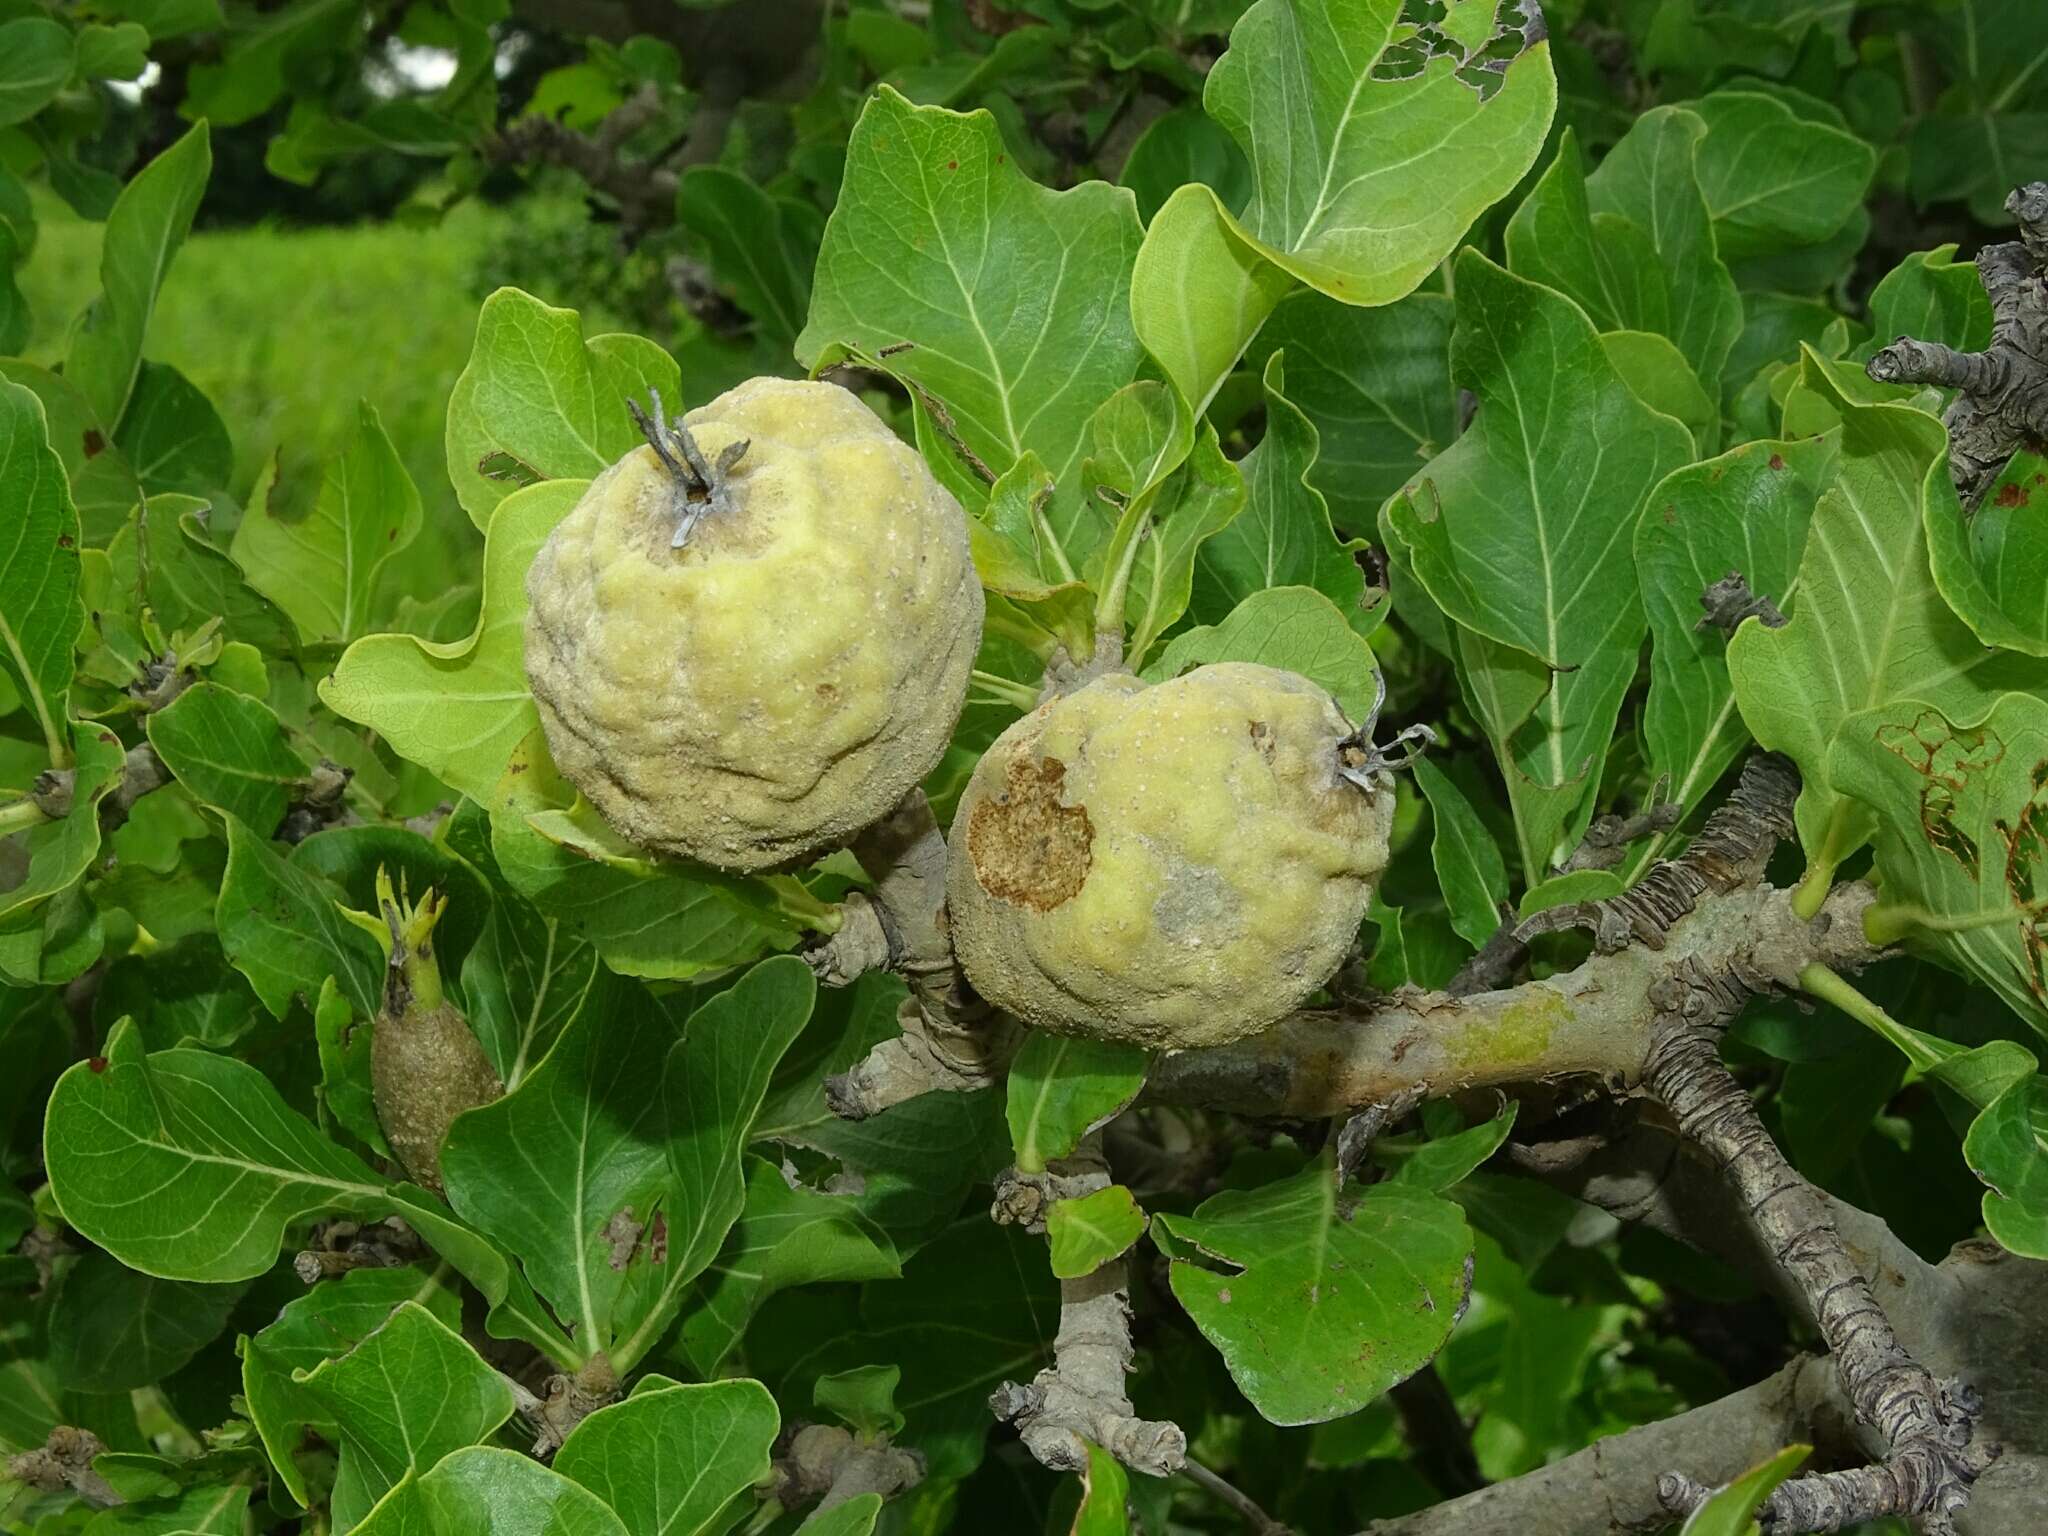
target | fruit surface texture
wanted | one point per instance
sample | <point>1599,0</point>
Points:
<point>758,695</point>
<point>1172,865</point>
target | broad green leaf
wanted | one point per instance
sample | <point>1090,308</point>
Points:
<point>40,611</point>
<point>1960,816</point>
<point>206,1510</point>
<point>1201,499</point>
<point>1933,297</point>
<point>251,74</point>
<point>329,1320</point>
<point>713,1086</point>
<point>1181,146</point>
<point>1444,1161</point>
<point>230,751</point>
<point>760,246</point>
<point>1062,1087</point>
<point>1293,628</point>
<point>1012,295</point>
<point>1200,291</point>
<point>1105,1496</point>
<point>1654,368</point>
<point>1283,537</point>
<point>1991,563</point>
<point>57,853</point>
<point>1774,179</point>
<point>785,1236</point>
<point>594,1106</point>
<point>407,1395</point>
<point>863,1399</point>
<point>149,222</point>
<point>460,709</point>
<point>676,1460</point>
<point>1330,1297</point>
<point>1745,511</point>
<point>523,981</point>
<point>188,581</point>
<point>1871,628</point>
<point>1377,385</point>
<point>172,438</point>
<point>2007,1148</point>
<point>1373,147</point>
<point>281,926</point>
<point>1518,532</point>
<point>118,52</point>
<point>112,1329</point>
<point>1468,864</point>
<point>1553,239</point>
<point>664,921</point>
<point>1732,1511</point>
<point>1087,1233</point>
<point>482,1490</point>
<point>35,64</point>
<point>321,564</point>
<point>1650,179</point>
<point>545,402</point>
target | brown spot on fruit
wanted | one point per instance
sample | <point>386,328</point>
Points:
<point>1026,847</point>
<point>1262,738</point>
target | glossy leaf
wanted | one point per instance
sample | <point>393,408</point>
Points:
<point>1292,628</point>
<point>674,1460</point>
<point>40,611</point>
<point>760,246</point>
<point>1062,1087</point>
<point>2007,1148</point>
<point>322,564</point>
<point>460,709</point>
<point>1469,868</point>
<point>113,1329</point>
<point>1105,1493</point>
<point>1012,295</point>
<point>484,1489</point>
<point>35,64</point>
<point>1089,1232</point>
<point>230,751</point>
<point>1732,1511</point>
<point>1774,179</point>
<point>1991,563</point>
<point>281,926</point>
<point>544,401</point>
<point>1871,626</point>
<point>1326,1298</point>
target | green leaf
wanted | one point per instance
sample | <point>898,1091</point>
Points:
<point>460,709</point>
<point>2007,1148</point>
<point>40,610</point>
<point>1087,1233</point>
<point>863,1399</point>
<point>260,55</point>
<point>1443,1161</point>
<point>172,437</point>
<point>715,1081</point>
<point>1105,1496</point>
<point>715,1439</point>
<point>1293,628</point>
<point>119,52</point>
<point>1329,1297</point>
<point>327,1321</point>
<point>1662,379</point>
<point>1745,511</point>
<point>483,1489</point>
<point>1376,383</point>
<point>1283,537</point>
<point>1373,148</point>
<point>1182,146</point>
<point>784,1237</point>
<point>281,926</point>
<point>551,403</point>
<point>1201,499</point>
<point>187,581</point>
<point>35,64</point>
<point>1469,868</point>
<point>1731,1512</point>
<point>1062,1087</point>
<point>856,1517</point>
<point>321,564</point>
<point>1200,291</point>
<point>1518,532</point>
<point>1774,179</point>
<point>407,1395</point>
<point>1871,627</point>
<point>230,751</point>
<point>1650,179</point>
<point>149,222</point>
<point>759,246</point>
<point>59,852</point>
<point>593,1105</point>
<point>1013,295</point>
<point>1991,563</point>
<point>1932,296</point>
<point>1959,816</point>
<point>113,1329</point>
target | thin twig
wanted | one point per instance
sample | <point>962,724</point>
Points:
<point>1259,1522</point>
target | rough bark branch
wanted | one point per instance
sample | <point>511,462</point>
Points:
<point>1081,1397</point>
<point>2002,404</point>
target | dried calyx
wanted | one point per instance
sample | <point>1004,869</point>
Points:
<point>702,484</point>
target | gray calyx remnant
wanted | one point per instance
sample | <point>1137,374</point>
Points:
<point>702,485</point>
<point>1361,760</point>
<point>2002,404</point>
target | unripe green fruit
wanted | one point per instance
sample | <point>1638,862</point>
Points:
<point>425,1064</point>
<point>758,695</point>
<point>1174,865</point>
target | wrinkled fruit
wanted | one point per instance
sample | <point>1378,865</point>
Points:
<point>1174,865</point>
<point>756,697</point>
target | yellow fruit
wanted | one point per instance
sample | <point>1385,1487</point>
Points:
<point>1173,865</point>
<point>758,695</point>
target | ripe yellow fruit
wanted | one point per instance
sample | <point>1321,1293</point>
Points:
<point>755,695</point>
<point>1174,865</point>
